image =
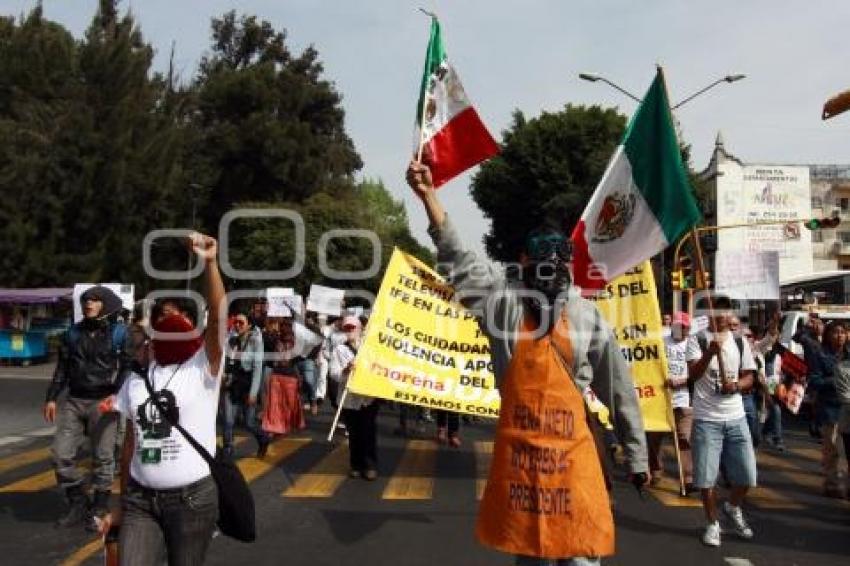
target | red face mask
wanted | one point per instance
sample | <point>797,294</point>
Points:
<point>168,352</point>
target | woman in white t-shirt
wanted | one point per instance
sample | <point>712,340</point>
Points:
<point>169,500</point>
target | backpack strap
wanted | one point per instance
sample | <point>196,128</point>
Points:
<point>118,333</point>
<point>739,341</point>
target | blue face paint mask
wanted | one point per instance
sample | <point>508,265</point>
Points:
<point>544,246</point>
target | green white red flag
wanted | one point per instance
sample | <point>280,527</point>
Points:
<point>452,136</point>
<point>644,201</point>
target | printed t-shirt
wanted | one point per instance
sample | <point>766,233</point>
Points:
<point>163,459</point>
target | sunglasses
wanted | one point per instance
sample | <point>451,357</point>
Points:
<point>542,247</point>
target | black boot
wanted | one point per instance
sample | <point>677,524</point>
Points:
<point>78,504</point>
<point>99,509</point>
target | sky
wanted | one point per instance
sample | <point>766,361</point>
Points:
<point>527,55</point>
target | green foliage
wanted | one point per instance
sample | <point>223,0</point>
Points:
<point>547,170</point>
<point>87,157</point>
<point>96,150</point>
<point>269,244</point>
<point>270,128</point>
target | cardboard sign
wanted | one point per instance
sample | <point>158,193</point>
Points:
<point>325,300</point>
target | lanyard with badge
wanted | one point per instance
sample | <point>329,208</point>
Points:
<point>156,431</point>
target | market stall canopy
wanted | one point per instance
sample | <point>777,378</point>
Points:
<point>36,296</point>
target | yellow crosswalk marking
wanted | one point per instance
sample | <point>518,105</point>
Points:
<point>413,479</point>
<point>790,471</point>
<point>769,498</point>
<point>324,479</point>
<point>808,452</point>
<point>24,459</point>
<point>252,468</point>
<point>483,459</point>
<point>83,553</point>
<point>666,491</point>
<point>47,479</point>
<point>39,482</point>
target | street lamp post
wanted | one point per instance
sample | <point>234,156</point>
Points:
<point>593,77</point>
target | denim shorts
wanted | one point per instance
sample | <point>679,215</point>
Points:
<point>729,442</point>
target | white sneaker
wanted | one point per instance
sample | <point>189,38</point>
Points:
<point>711,536</point>
<point>742,529</point>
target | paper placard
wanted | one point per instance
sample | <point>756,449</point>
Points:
<point>283,302</point>
<point>325,300</point>
<point>748,275</point>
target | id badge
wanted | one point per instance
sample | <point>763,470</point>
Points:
<point>151,450</point>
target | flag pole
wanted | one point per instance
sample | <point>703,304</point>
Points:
<point>425,99</point>
<point>338,412</point>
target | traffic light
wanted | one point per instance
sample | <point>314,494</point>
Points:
<point>686,272</point>
<point>676,280</point>
<point>821,223</point>
<point>704,280</point>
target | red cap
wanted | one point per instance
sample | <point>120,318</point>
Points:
<point>681,318</point>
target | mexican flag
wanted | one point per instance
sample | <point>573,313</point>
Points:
<point>644,201</point>
<point>452,136</point>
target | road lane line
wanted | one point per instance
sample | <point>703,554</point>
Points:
<point>414,477</point>
<point>251,467</point>
<point>483,459</point>
<point>323,479</point>
<point>23,459</point>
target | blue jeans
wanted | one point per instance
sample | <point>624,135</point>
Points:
<point>726,441</point>
<point>309,371</point>
<point>178,523</point>
<point>249,414</point>
<point>578,561</point>
<point>751,410</point>
<point>773,425</point>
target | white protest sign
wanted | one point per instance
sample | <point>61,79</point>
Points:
<point>698,324</point>
<point>747,275</point>
<point>125,292</point>
<point>325,300</point>
<point>283,302</point>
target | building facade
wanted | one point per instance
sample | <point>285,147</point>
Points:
<point>746,193</point>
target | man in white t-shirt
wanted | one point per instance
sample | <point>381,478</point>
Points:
<point>721,368</point>
<point>169,498</point>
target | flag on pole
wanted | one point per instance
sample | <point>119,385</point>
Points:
<point>450,136</point>
<point>644,201</point>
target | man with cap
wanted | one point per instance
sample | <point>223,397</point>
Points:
<point>94,360</point>
<point>676,345</point>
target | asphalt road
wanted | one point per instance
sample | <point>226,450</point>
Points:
<point>422,509</point>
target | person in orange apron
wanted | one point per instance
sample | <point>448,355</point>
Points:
<point>546,500</point>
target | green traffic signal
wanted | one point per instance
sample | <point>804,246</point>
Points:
<point>821,223</point>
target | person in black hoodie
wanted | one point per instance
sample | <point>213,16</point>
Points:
<point>94,361</point>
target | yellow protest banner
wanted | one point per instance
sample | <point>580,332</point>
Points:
<point>630,305</point>
<point>422,348</point>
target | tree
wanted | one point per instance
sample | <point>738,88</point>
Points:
<point>266,244</point>
<point>547,169</point>
<point>270,128</point>
<point>90,158</point>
